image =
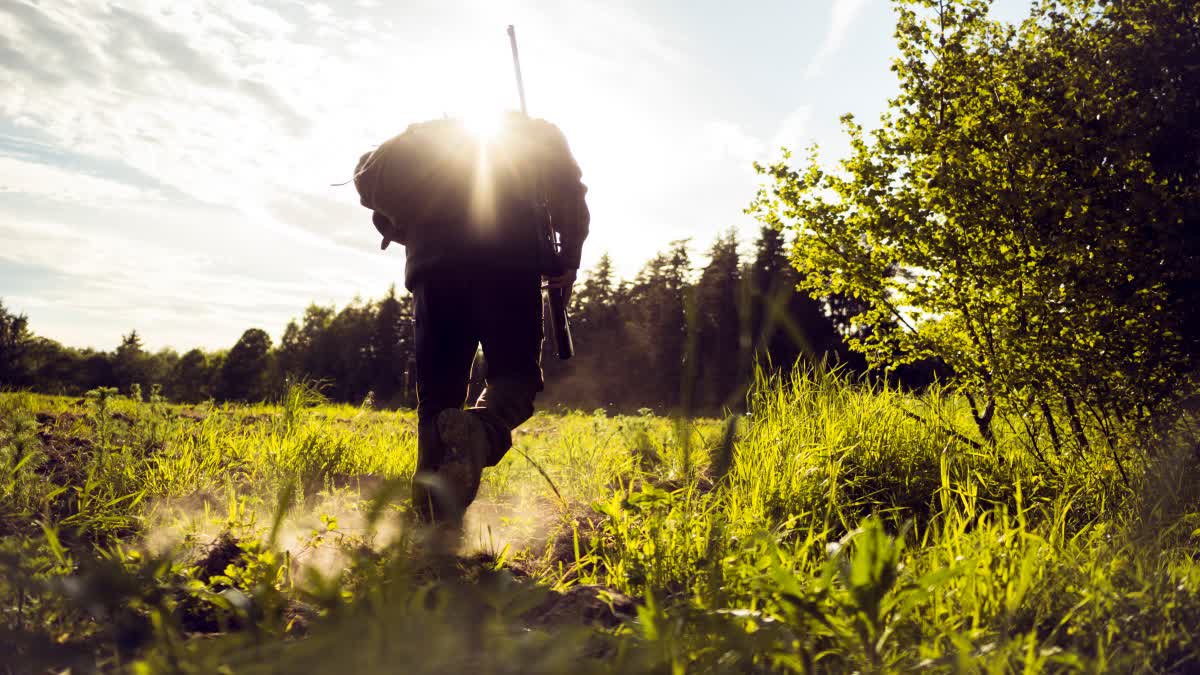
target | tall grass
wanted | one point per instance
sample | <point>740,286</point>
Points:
<point>836,527</point>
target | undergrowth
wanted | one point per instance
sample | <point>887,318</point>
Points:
<point>836,527</point>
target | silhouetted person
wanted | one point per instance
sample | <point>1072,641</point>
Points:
<point>468,212</point>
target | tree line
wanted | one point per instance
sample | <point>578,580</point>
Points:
<point>674,337</point>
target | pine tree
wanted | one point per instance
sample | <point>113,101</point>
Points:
<point>598,375</point>
<point>718,363</point>
<point>787,323</point>
<point>657,326</point>
<point>391,348</point>
<point>130,364</point>
<point>594,305</point>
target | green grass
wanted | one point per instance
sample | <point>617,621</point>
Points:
<point>835,528</point>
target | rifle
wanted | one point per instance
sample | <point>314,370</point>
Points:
<point>549,241</point>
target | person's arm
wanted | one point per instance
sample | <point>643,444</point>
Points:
<point>389,229</point>
<point>568,202</point>
<point>573,222</point>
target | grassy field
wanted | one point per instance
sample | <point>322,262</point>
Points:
<point>834,528</point>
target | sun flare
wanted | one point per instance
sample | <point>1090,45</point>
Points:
<point>484,123</point>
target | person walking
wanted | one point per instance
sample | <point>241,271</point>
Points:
<point>471,213</point>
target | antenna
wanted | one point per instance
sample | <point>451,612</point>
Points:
<point>512,41</point>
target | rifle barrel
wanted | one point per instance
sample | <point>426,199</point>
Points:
<point>559,323</point>
<point>512,41</point>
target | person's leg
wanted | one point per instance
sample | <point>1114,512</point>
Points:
<point>446,338</point>
<point>510,314</point>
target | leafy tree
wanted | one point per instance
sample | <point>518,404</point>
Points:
<point>302,350</point>
<point>96,370</point>
<point>192,377</point>
<point>346,349</point>
<point>290,356</point>
<point>56,369</point>
<point>1007,217</point>
<point>160,368</point>
<point>14,345</point>
<point>1157,46</point>
<point>244,372</point>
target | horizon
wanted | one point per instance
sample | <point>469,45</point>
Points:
<point>745,247</point>
<point>173,170</point>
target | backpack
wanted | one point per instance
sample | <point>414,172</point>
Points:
<point>418,177</point>
<point>436,175</point>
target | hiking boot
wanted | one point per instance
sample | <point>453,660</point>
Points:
<point>466,445</point>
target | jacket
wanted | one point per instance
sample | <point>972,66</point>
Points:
<point>460,204</point>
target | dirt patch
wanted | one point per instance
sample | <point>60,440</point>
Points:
<point>590,605</point>
<point>53,421</point>
<point>66,454</point>
<point>583,522</point>
<point>191,415</point>
<point>220,554</point>
<point>196,502</point>
<point>703,483</point>
<point>202,614</point>
<point>367,485</point>
<point>480,563</point>
<point>251,420</point>
<point>66,458</point>
<point>580,605</point>
<point>519,521</point>
<point>297,617</point>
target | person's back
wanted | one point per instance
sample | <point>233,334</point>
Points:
<point>471,205</point>
<point>471,215</point>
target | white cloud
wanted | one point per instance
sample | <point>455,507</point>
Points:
<point>110,283</point>
<point>794,131</point>
<point>48,182</point>
<point>735,145</point>
<point>138,269</point>
<point>841,19</point>
<point>175,96</point>
<point>732,142</point>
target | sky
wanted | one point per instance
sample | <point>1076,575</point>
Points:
<point>177,167</point>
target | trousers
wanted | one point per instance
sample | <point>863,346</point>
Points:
<point>453,316</point>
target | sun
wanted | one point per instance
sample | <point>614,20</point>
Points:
<point>483,122</point>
